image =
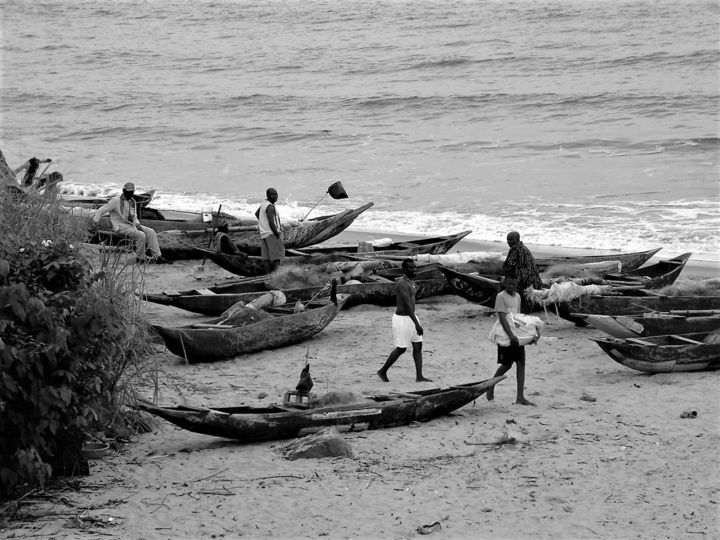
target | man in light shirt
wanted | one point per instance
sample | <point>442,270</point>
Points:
<point>272,248</point>
<point>124,218</point>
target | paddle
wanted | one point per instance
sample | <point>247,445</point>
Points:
<point>212,235</point>
<point>336,191</point>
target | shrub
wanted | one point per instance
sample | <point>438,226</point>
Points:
<point>70,340</point>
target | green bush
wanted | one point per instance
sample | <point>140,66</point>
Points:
<point>70,339</point>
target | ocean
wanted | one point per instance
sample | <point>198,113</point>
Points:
<point>581,124</point>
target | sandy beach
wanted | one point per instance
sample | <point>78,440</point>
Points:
<point>604,454</point>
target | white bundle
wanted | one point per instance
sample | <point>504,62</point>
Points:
<point>460,257</point>
<point>565,291</point>
<point>526,327</point>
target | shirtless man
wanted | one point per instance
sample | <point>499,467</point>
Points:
<point>406,328</point>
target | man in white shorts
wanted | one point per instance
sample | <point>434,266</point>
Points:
<point>407,331</point>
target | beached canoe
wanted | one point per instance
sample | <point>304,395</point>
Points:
<point>180,239</point>
<point>476,288</point>
<point>207,302</point>
<point>250,265</point>
<point>141,199</point>
<point>482,289</point>
<point>652,324</point>
<point>653,276</point>
<point>492,264</point>
<point>631,305</point>
<point>664,354</point>
<point>209,341</point>
<point>437,245</point>
<point>251,424</point>
<point>629,261</point>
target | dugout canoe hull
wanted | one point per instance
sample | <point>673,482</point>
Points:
<point>663,354</point>
<point>653,324</point>
<point>376,293</point>
<point>181,239</point>
<point>250,265</point>
<point>212,344</point>
<point>494,265</point>
<point>653,276</point>
<point>631,305</point>
<point>250,424</point>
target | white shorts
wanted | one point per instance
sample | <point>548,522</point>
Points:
<point>404,332</point>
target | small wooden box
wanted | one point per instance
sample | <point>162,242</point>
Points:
<point>296,399</point>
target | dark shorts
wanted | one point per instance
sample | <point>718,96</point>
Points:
<point>507,355</point>
<point>272,249</point>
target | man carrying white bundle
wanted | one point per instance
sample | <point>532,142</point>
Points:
<point>124,218</point>
<point>507,304</point>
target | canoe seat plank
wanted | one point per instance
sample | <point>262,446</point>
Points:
<point>171,292</point>
<point>686,340</point>
<point>639,341</point>
<point>204,292</point>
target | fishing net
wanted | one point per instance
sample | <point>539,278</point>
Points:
<point>690,287</point>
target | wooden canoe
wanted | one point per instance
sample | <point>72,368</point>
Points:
<point>206,302</point>
<point>492,266</point>
<point>251,265</point>
<point>482,289</point>
<point>654,276</point>
<point>651,324</point>
<point>476,288</point>
<point>180,239</point>
<point>633,305</point>
<point>663,354</point>
<point>207,344</point>
<point>629,261</point>
<point>251,424</point>
<point>141,199</point>
<point>437,245</point>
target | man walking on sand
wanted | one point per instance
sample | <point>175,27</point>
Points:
<point>272,248</point>
<point>508,301</point>
<point>406,328</point>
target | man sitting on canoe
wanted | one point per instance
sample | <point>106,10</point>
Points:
<point>124,218</point>
<point>272,248</point>
<point>407,331</point>
<point>223,243</point>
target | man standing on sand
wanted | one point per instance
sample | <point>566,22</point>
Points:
<point>124,218</point>
<point>520,264</point>
<point>406,328</point>
<point>272,248</point>
<point>508,301</point>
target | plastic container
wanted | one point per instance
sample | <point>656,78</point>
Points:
<point>94,450</point>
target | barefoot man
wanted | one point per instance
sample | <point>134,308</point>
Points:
<point>406,328</point>
<point>508,301</point>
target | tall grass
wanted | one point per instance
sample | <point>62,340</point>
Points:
<point>73,342</point>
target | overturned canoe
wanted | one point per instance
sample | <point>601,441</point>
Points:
<point>206,302</point>
<point>250,424</point>
<point>209,341</point>
<point>664,354</point>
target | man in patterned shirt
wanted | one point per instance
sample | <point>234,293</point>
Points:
<point>520,264</point>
